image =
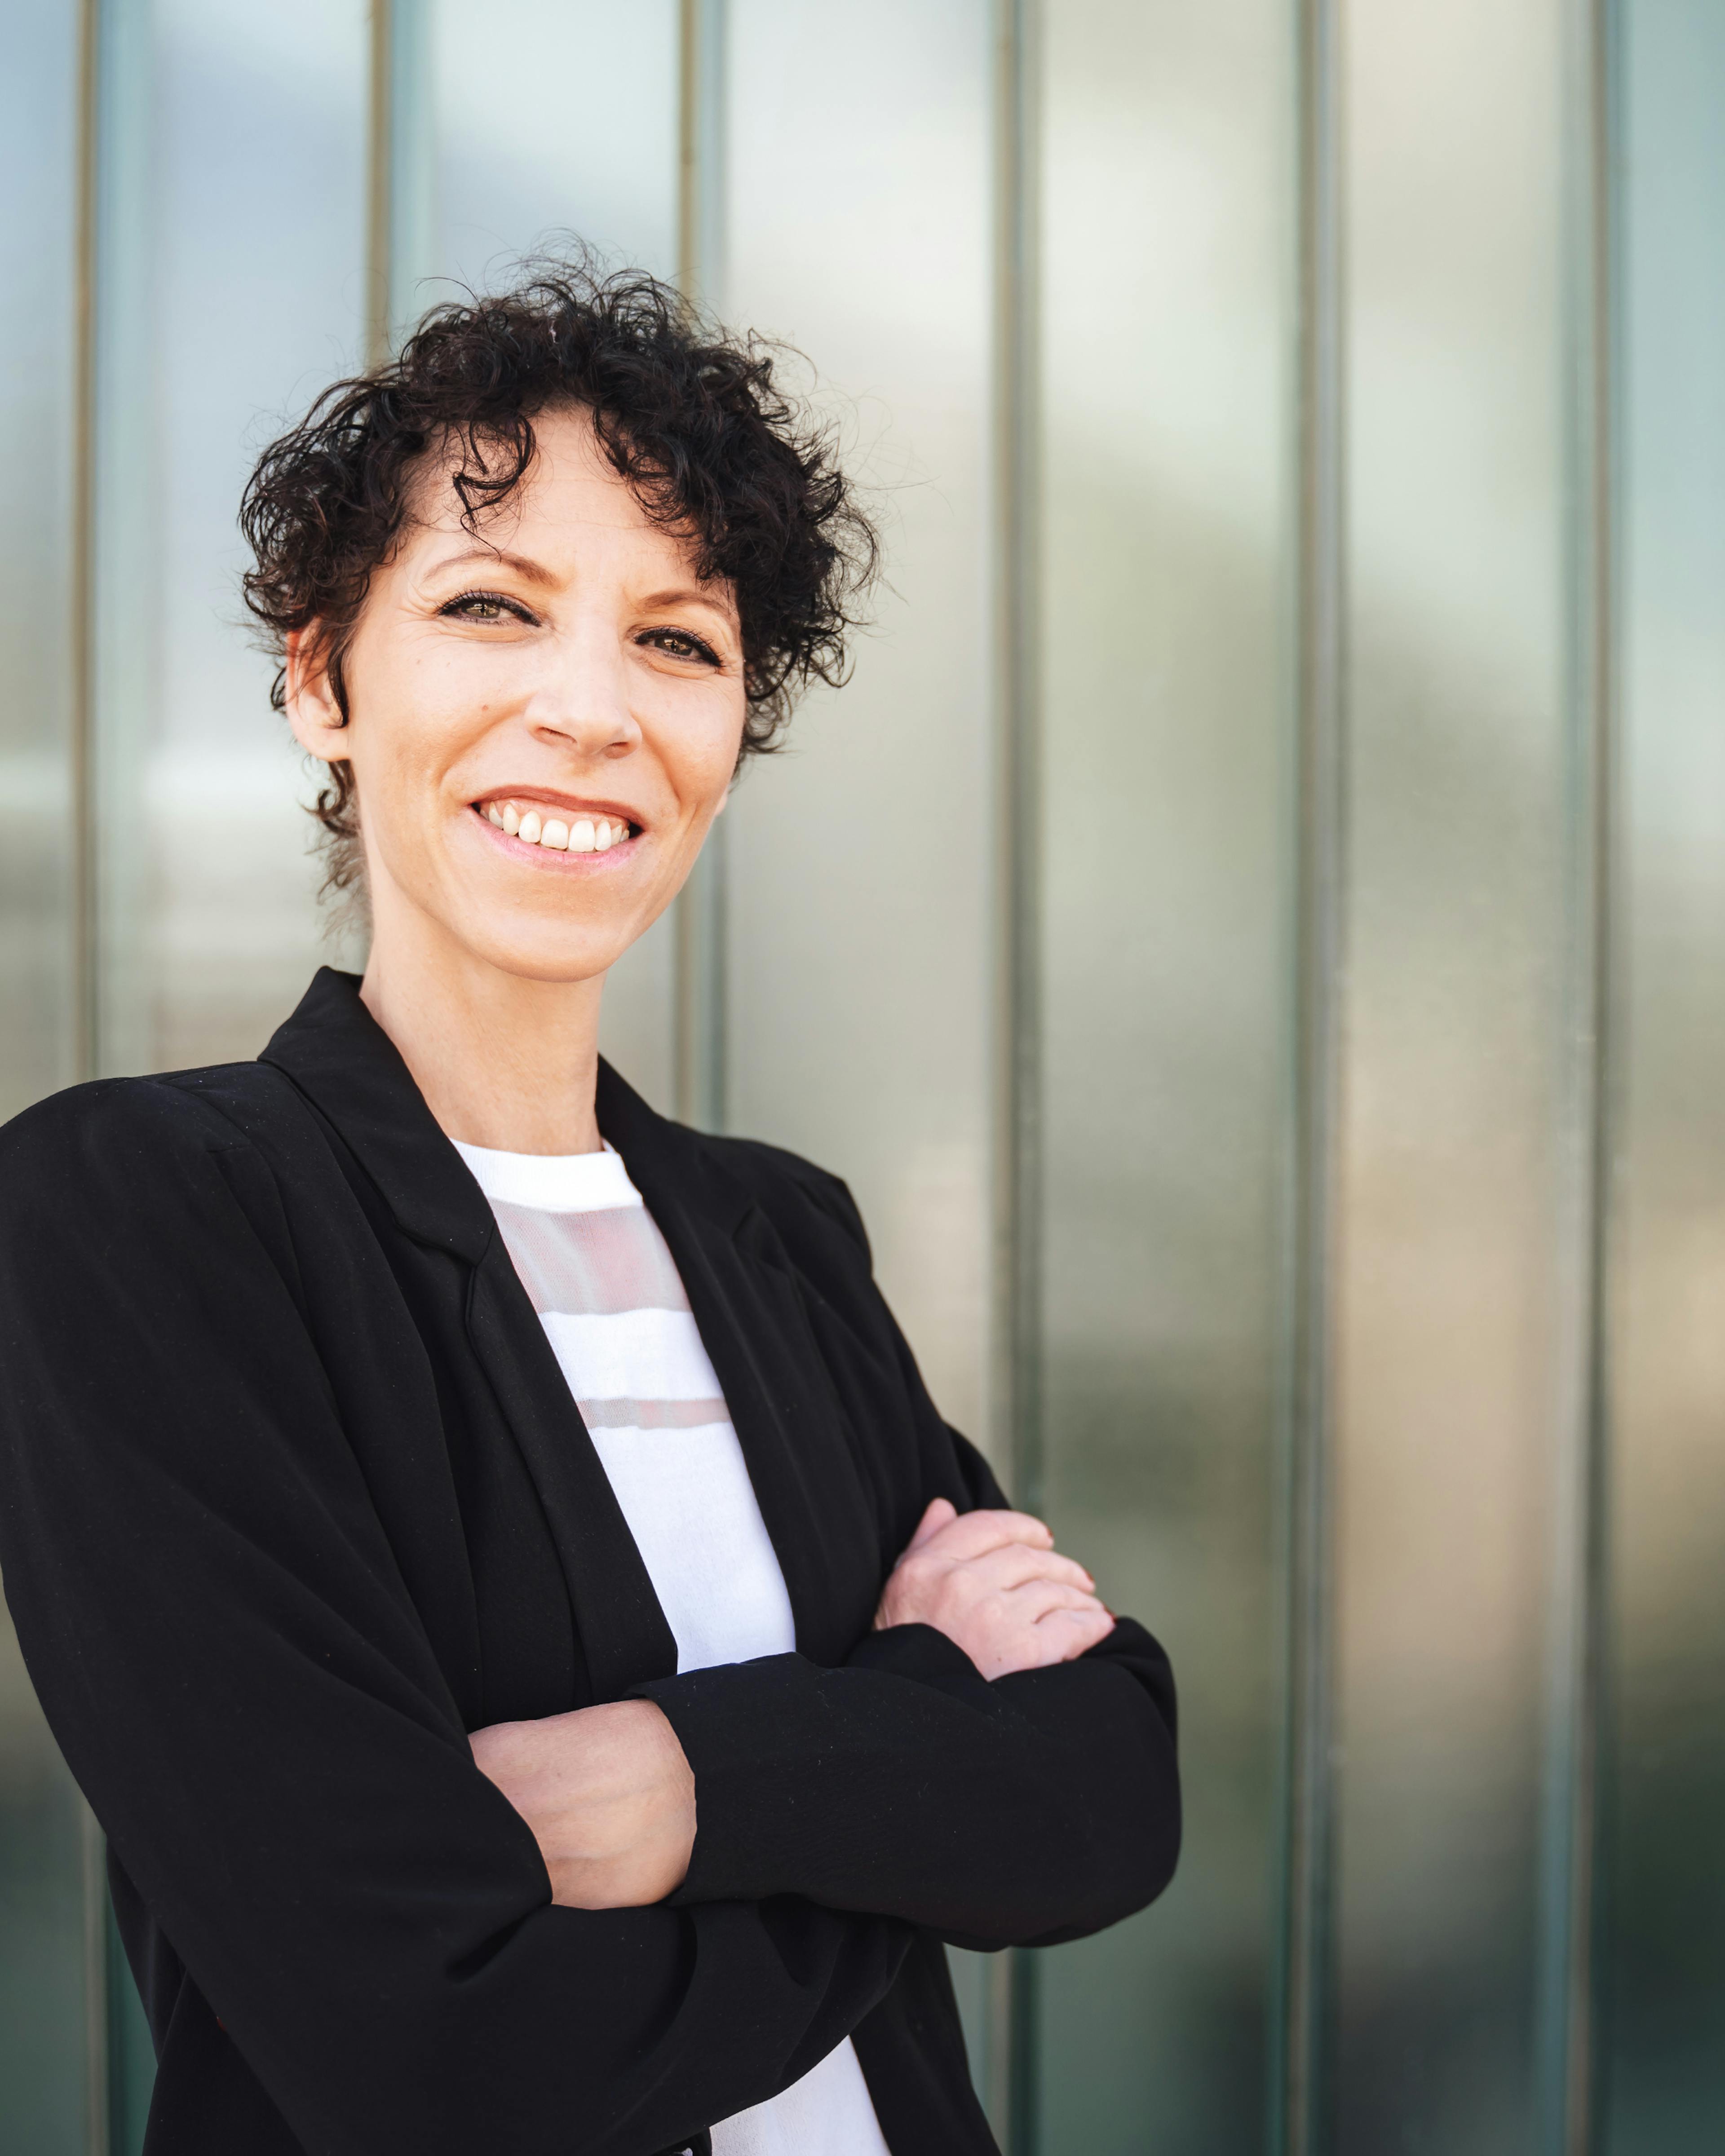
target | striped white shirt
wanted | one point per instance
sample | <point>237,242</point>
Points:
<point>608,1294</point>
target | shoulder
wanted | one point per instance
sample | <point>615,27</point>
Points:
<point>795,1194</point>
<point>101,1143</point>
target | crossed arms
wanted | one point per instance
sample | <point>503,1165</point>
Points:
<point>609,1790</point>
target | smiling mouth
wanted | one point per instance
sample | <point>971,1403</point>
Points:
<point>558,831</point>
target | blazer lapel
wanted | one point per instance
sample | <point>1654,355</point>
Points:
<point>623,1632</point>
<point>747,1303</point>
<point>784,1407</point>
<point>336,1052</point>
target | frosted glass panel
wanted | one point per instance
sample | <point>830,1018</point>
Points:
<point>229,291</point>
<point>860,891</point>
<point>1454,1045</point>
<point>1662,1963</point>
<point>39,379</point>
<point>1166,420</point>
<point>555,117</point>
<point>42,2070</point>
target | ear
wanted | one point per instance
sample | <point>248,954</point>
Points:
<point>312,710</point>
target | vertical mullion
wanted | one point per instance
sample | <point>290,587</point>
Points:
<point>1019,898</point>
<point>379,172</point>
<point>1018,1326</point>
<point>400,176</point>
<point>1299,2093</point>
<point>1567,1934</point>
<point>98,2065</point>
<point>698,1016</point>
<point>700,146</point>
<point>83,625</point>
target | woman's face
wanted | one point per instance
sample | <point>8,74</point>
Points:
<point>544,717</point>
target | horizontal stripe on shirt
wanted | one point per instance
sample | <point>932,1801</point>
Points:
<point>631,1355</point>
<point>654,1414</point>
<point>597,1263</point>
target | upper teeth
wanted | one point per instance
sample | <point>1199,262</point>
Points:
<point>576,835</point>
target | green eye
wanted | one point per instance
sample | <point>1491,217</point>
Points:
<point>484,607</point>
<point>681,644</point>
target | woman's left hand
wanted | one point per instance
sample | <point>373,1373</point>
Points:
<point>609,1794</point>
<point>994,1583</point>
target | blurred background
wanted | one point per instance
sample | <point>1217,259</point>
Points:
<point>1252,932</point>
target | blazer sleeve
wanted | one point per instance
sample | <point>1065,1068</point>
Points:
<point>224,1648</point>
<point>1037,1808</point>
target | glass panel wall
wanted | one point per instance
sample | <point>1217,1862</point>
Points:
<point>859,900</point>
<point>40,152</point>
<point>1662,1961</point>
<point>555,118</point>
<point>1455,1033</point>
<point>842,177</point>
<point>230,288</point>
<point>1166,456</point>
<point>860,1022</point>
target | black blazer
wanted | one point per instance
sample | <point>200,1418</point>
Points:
<point>293,1494</point>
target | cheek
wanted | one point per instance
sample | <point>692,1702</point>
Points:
<point>701,753</point>
<point>409,739</point>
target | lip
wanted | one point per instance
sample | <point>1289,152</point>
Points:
<point>570,804</point>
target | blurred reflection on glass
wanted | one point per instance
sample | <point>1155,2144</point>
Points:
<point>42,1971</point>
<point>860,884</point>
<point>859,889</point>
<point>1166,402</point>
<point>1454,1039</point>
<point>229,289</point>
<point>1663,1957</point>
<point>556,115</point>
<point>42,2070</point>
<point>39,388</point>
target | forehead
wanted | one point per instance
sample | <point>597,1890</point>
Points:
<point>570,496</point>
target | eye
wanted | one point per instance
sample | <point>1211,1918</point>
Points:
<point>681,643</point>
<point>486,607</point>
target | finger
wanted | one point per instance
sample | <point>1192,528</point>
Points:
<point>940,1514</point>
<point>1000,1571</point>
<point>1066,1634</point>
<point>1040,1597</point>
<point>972,1534</point>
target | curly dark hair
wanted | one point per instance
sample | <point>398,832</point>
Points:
<point>711,446</point>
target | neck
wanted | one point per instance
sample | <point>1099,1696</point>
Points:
<point>503,1062</point>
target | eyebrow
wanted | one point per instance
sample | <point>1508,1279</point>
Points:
<point>523,565</point>
<point>684,594</point>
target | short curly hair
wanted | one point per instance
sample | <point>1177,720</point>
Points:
<point>709,443</point>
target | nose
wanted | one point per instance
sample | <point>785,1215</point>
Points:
<point>580,704</point>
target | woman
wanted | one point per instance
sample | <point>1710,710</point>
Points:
<point>549,1679</point>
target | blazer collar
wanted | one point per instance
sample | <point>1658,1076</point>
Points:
<point>341,1058</point>
<point>746,1303</point>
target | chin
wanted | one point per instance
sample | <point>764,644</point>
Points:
<point>573,940</point>
<point>549,959</point>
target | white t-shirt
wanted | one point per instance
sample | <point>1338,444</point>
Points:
<point>602,1280</point>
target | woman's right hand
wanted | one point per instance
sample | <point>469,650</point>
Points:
<point>994,1583</point>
